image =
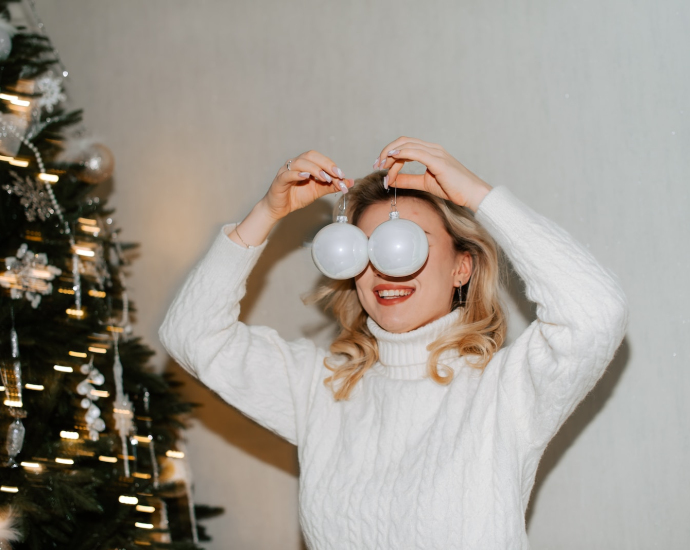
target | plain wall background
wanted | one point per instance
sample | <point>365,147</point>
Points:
<point>581,108</point>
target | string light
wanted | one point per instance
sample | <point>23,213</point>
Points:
<point>110,459</point>
<point>36,387</point>
<point>8,489</point>
<point>174,454</point>
<point>144,508</point>
<point>64,461</point>
<point>124,499</point>
<point>63,368</point>
<point>64,434</point>
<point>77,354</point>
<point>143,525</point>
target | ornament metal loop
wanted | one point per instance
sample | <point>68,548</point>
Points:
<point>288,163</point>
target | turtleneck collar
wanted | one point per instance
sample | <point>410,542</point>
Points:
<point>404,355</point>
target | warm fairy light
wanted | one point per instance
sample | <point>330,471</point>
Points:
<point>65,291</point>
<point>97,293</point>
<point>83,251</point>
<point>100,393</point>
<point>91,229</point>
<point>15,100</point>
<point>97,350</point>
<point>13,403</point>
<point>143,438</point>
<point>124,499</point>
<point>64,461</point>
<point>64,434</point>
<point>15,162</point>
<point>2,388</point>
<point>77,354</point>
<point>63,368</point>
<point>7,489</point>
<point>107,459</point>
<point>113,328</point>
<point>87,221</point>
<point>37,387</point>
<point>75,312</point>
<point>33,465</point>
<point>143,525</point>
<point>50,178</point>
<point>141,475</point>
<point>174,454</point>
<point>147,509</point>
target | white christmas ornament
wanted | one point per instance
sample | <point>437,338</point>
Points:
<point>339,250</point>
<point>398,247</point>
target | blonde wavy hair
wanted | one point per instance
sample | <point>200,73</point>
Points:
<point>481,327</point>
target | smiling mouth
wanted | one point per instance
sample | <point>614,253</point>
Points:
<point>391,297</point>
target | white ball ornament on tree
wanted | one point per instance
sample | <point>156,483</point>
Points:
<point>339,250</point>
<point>398,247</point>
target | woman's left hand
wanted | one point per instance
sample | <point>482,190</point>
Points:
<point>444,176</point>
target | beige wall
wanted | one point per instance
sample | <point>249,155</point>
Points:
<point>581,108</point>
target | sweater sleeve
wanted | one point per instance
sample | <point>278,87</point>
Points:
<point>582,316</point>
<point>251,367</point>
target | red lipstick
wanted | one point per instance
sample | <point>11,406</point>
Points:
<point>392,300</point>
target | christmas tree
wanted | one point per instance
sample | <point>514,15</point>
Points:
<point>89,433</point>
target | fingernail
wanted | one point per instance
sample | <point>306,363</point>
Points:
<point>325,176</point>
<point>338,171</point>
<point>393,152</point>
<point>385,182</point>
<point>304,174</point>
<point>343,187</point>
<point>376,164</point>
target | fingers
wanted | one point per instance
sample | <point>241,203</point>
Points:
<point>381,160</point>
<point>302,168</point>
<point>410,152</point>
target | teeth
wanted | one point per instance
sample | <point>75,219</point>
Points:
<point>393,293</point>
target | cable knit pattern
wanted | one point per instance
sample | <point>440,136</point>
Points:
<point>406,463</point>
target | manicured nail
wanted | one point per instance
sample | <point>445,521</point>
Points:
<point>393,152</point>
<point>338,171</point>
<point>304,174</point>
<point>343,187</point>
<point>376,164</point>
<point>385,182</point>
<point>325,176</point>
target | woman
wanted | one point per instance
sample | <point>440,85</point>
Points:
<point>418,430</point>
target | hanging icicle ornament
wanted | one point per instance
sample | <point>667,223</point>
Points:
<point>123,411</point>
<point>339,250</point>
<point>92,416</point>
<point>28,275</point>
<point>11,374</point>
<point>398,247</point>
<point>152,447</point>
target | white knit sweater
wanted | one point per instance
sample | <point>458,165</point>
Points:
<point>407,463</point>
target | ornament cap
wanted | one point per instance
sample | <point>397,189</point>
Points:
<point>394,215</point>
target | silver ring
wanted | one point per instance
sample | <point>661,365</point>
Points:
<point>287,164</point>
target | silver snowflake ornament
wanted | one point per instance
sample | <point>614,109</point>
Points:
<point>34,197</point>
<point>28,275</point>
<point>50,87</point>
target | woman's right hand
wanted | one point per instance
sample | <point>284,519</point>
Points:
<point>311,176</point>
